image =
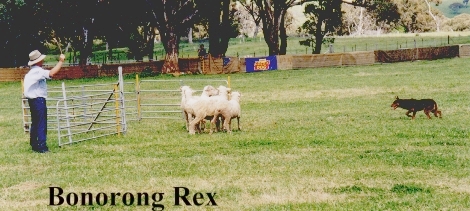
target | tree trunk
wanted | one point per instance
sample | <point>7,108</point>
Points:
<point>283,35</point>
<point>109,47</point>
<point>190,35</point>
<point>219,28</point>
<point>150,43</point>
<point>271,22</point>
<point>255,33</point>
<point>214,33</point>
<point>170,42</point>
<point>434,17</point>
<point>171,63</point>
<point>360,28</point>
<point>272,39</point>
<point>225,38</point>
<point>318,37</point>
<point>87,44</point>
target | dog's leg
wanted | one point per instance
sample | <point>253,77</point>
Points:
<point>436,111</point>
<point>427,113</point>
<point>408,113</point>
<point>414,114</point>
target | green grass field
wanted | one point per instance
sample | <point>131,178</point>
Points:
<point>311,139</point>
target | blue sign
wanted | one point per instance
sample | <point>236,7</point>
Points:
<point>261,64</point>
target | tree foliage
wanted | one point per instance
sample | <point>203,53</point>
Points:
<point>324,18</point>
<point>221,23</point>
<point>172,19</point>
<point>34,24</point>
<point>22,29</point>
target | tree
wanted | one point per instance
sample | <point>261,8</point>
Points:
<point>324,18</point>
<point>378,15</point>
<point>252,11</point>
<point>23,30</point>
<point>221,24</point>
<point>172,19</point>
<point>458,23</point>
<point>273,14</point>
<point>431,13</point>
<point>414,16</point>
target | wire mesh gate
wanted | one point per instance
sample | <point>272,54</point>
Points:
<point>86,112</point>
<point>161,99</point>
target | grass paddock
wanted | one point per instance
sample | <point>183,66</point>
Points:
<point>311,139</point>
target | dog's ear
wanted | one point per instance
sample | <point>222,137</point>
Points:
<point>396,97</point>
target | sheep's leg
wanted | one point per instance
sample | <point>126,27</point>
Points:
<point>192,124</point>
<point>238,123</point>
<point>201,126</point>
<point>213,122</point>
<point>186,116</point>
<point>217,124</point>
<point>227,124</point>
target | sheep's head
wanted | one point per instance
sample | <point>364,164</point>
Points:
<point>209,91</point>
<point>236,96</point>
<point>186,91</point>
<point>224,91</point>
<point>182,88</point>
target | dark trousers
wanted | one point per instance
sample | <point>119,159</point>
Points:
<point>38,129</point>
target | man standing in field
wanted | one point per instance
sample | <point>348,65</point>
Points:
<point>35,90</point>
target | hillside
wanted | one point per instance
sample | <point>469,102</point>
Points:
<point>444,8</point>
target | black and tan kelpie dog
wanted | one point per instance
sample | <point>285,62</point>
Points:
<point>414,105</point>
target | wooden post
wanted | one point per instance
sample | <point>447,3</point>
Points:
<point>137,90</point>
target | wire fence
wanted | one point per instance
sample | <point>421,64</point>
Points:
<point>257,47</point>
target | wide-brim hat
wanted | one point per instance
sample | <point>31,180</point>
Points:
<point>35,57</point>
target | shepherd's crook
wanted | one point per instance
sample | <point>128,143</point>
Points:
<point>58,45</point>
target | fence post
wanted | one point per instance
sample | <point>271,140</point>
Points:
<point>137,90</point>
<point>123,105</point>
<point>64,97</point>
<point>116,104</point>
<point>25,111</point>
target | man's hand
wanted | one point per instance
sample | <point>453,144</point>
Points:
<point>62,57</point>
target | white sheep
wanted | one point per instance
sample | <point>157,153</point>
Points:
<point>206,107</point>
<point>228,111</point>
<point>188,101</point>
<point>223,94</point>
